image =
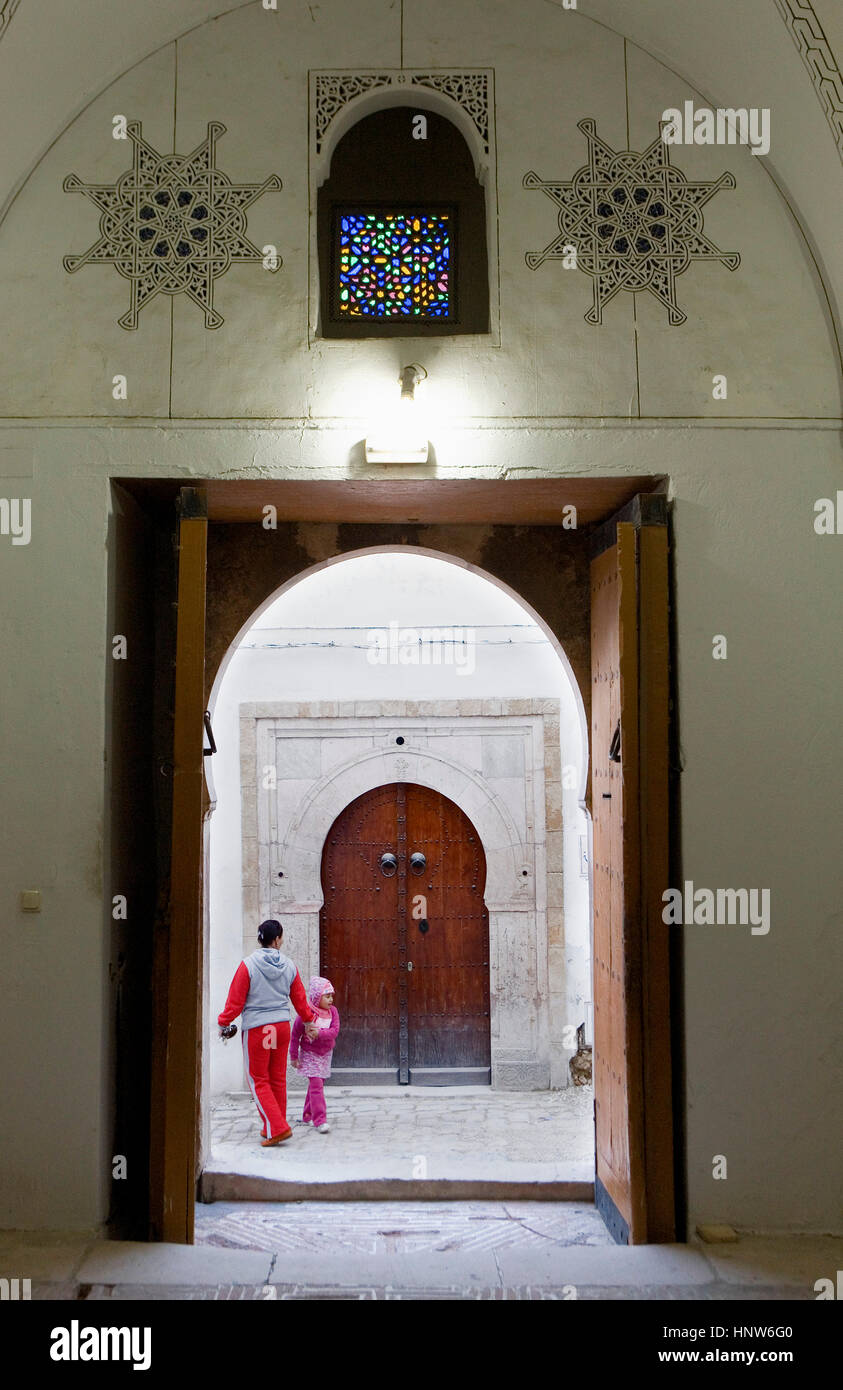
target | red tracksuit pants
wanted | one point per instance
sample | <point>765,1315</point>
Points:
<point>265,1051</point>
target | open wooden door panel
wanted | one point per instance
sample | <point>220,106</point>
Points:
<point>178,1081</point>
<point>629,728</point>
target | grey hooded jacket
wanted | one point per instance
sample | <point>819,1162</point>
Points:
<point>271,975</point>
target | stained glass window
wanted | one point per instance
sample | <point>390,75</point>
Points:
<point>401,232</point>
<point>394,265</point>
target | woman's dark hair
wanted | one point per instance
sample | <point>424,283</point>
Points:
<point>269,931</point>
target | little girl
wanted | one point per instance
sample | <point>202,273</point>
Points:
<point>313,1058</point>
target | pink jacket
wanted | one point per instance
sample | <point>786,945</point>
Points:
<point>322,1044</point>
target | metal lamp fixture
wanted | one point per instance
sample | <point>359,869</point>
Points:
<point>402,438</point>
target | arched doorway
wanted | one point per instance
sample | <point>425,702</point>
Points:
<point>638,632</point>
<point>511,757</point>
<point>404,938</point>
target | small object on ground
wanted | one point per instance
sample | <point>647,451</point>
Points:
<point>717,1235</point>
<point>580,1063</point>
<point>323,1129</point>
<point>277,1139</point>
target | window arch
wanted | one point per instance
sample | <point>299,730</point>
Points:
<point>402,231</point>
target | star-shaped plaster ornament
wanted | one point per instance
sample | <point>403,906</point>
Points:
<point>633,220</point>
<point>172,224</point>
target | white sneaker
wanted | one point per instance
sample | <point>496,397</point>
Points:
<point>323,1129</point>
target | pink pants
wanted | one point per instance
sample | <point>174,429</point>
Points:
<point>315,1108</point>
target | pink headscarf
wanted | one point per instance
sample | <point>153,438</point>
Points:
<point>317,987</point>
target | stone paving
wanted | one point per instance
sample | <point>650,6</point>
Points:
<point>416,1133</point>
<point>413,1251</point>
<point>308,1293</point>
<point>395,1228</point>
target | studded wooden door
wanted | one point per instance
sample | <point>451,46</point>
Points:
<point>405,939</point>
<point>629,733</point>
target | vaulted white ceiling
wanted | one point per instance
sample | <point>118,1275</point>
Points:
<point>56,57</point>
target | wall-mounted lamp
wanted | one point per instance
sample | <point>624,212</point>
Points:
<point>402,437</point>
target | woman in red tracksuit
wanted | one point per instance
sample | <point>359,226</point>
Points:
<point>264,985</point>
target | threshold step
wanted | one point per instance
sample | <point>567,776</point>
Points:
<point>250,1187</point>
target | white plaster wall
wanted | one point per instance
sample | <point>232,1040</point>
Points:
<point>761,764</point>
<point>759,801</point>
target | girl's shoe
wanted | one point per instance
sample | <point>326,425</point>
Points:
<point>323,1129</point>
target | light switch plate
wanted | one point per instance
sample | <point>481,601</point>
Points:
<point>30,900</point>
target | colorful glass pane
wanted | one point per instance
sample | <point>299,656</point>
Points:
<point>394,265</point>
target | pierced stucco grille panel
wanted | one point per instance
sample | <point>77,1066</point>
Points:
<point>472,90</point>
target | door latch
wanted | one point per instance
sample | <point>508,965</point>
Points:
<point>206,720</point>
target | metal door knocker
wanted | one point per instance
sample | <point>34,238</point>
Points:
<point>389,865</point>
<point>418,863</point>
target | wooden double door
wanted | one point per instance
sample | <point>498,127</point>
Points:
<point>404,937</point>
<point>632,950</point>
